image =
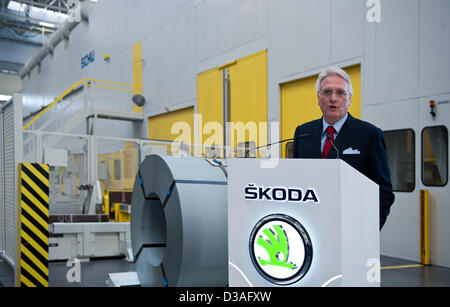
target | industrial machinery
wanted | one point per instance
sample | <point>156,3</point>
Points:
<point>117,205</point>
<point>179,222</point>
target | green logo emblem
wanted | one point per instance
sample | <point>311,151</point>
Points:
<point>277,248</point>
<point>280,249</point>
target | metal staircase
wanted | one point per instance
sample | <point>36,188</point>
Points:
<point>77,112</point>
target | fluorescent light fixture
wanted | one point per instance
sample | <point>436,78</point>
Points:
<point>46,24</point>
<point>5,97</point>
<point>38,13</point>
<point>16,6</point>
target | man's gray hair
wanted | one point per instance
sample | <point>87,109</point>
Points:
<point>334,71</point>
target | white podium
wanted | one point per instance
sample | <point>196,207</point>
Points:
<point>302,223</point>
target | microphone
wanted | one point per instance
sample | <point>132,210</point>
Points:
<point>332,144</point>
<point>282,141</point>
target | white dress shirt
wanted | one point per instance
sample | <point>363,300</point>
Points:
<point>337,126</point>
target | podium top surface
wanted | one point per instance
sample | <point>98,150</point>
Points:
<point>326,169</point>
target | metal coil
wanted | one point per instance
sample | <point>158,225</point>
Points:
<point>179,223</point>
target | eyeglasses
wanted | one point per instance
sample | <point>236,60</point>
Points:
<point>329,93</point>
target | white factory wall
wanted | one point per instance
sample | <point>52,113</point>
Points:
<point>14,53</point>
<point>9,84</point>
<point>182,38</point>
<point>406,66</point>
<point>403,58</point>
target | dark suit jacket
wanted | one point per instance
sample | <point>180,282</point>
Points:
<point>359,135</point>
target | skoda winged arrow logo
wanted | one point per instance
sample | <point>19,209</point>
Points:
<point>280,249</point>
<point>276,248</point>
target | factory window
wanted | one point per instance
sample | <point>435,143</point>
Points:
<point>435,156</point>
<point>400,146</point>
<point>117,169</point>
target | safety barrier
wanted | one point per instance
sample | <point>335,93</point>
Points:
<point>34,232</point>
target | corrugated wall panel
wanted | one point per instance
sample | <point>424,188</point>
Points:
<point>2,176</point>
<point>10,223</point>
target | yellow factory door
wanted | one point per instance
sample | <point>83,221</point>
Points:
<point>299,102</point>
<point>210,108</point>
<point>177,125</point>
<point>235,93</point>
<point>138,68</point>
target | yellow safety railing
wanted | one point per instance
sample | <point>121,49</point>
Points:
<point>84,82</point>
<point>424,227</point>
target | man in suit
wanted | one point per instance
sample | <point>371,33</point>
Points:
<point>359,143</point>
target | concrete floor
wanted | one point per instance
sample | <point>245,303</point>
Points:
<point>6,274</point>
<point>403,273</point>
<point>394,273</point>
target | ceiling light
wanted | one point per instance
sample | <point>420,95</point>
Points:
<point>16,6</point>
<point>5,97</point>
<point>46,24</point>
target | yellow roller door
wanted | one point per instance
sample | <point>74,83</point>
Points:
<point>210,107</point>
<point>137,73</point>
<point>176,125</point>
<point>247,101</point>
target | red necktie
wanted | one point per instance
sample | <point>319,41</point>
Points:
<point>326,149</point>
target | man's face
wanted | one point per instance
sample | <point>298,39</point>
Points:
<point>333,104</point>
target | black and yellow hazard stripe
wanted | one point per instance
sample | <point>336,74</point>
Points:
<point>34,219</point>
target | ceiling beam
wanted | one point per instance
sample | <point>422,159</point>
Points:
<point>27,24</point>
<point>10,66</point>
<point>31,28</point>
<point>34,20</point>
<point>22,40</point>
